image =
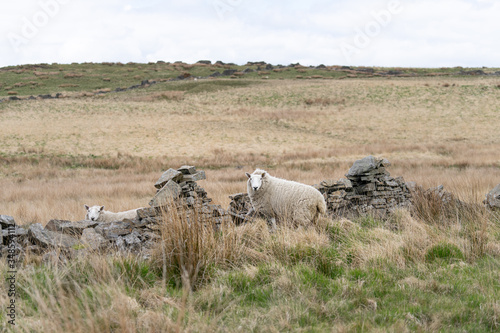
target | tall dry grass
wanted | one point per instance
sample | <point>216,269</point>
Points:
<point>57,155</point>
<point>184,286</point>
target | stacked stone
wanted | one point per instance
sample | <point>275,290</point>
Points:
<point>179,188</point>
<point>61,237</point>
<point>239,206</point>
<point>368,190</point>
<point>334,192</point>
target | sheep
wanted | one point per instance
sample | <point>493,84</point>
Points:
<point>285,200</point>
<point>97,213</point>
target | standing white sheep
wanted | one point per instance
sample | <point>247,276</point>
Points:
<point>97,213</point>
<point>285,200</point>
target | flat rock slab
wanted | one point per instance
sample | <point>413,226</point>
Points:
<point>70,228</point>
<point>18,233</point>
<point>132,238</point>
<point>200,175</point>
<point>170,174</point>
<point>93,239</point>
<point>366,165</point>
<point>110,230</point>
<point>171,191</point>
<point>187,169</point>
<point>47,238</point>
<point>145,213</point>
<point>7,221</point>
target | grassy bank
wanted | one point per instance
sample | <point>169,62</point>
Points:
<point>405,274</point>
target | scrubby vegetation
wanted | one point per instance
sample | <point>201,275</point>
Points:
<point>405,274</point>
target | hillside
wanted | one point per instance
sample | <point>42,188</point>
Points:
<point>61,80</point>
<point>102,134</point>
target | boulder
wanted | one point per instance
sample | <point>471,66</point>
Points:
<point>364,166</point>
<point>204,62</point>
<point>70,228</point>
<point>17,233</point>
<point>145,213</point>
<point>200,175</point>
<point>228,72</point>
<point>132,240</point>
<point>187,169</point>
<point>170,174</point>
<point>111,230</point>
<point>492,200</point>
<point>169,192</point>
<point>93,240</point>
<point>47,238</point>
<point>7,221</point>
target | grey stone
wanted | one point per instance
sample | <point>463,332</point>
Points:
<point>385,163</point>
<point>364,165</point>
<point>93,240</point>
<point>170,174</point>
<point>378,202</point>
<point>47,238</point>
<point>14,251</point>
<point>187,169</point>
<point>70,228</point>
<point>149,220</point>
<point>492,200</point>
<point>237,196</point>
<point>132,238</point>
<point>120,243</point>
<point>54,257</point>
<point>200,175</point>
<point>17,233</point>
<point>7,221</point>
<point>111,230</point>
<point>147,212</point>
<point>166,195</point>
<point>370,187</point>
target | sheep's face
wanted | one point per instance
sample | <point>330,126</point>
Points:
<point>93,212</point>
<point>255,180</point>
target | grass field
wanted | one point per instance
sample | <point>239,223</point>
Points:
<point>410,273</point>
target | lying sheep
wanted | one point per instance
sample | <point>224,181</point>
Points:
<point>97,213</point>
<point>285,200</point>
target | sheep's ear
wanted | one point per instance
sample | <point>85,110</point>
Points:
<point>102,208</point>
<point>264,174</point>
<point>248,175</point>
<point>86,207</point>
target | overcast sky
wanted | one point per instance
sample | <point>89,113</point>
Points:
<point>409,33</point>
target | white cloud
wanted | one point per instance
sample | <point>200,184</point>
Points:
<point>424,33</point>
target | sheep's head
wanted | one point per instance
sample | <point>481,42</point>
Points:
<point>93,212</point>
<point>256,179</point>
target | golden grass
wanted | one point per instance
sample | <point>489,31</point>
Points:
<point>302,130</point>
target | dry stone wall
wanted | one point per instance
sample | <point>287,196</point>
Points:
<point>176,189</point>
<point>368,189</point>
